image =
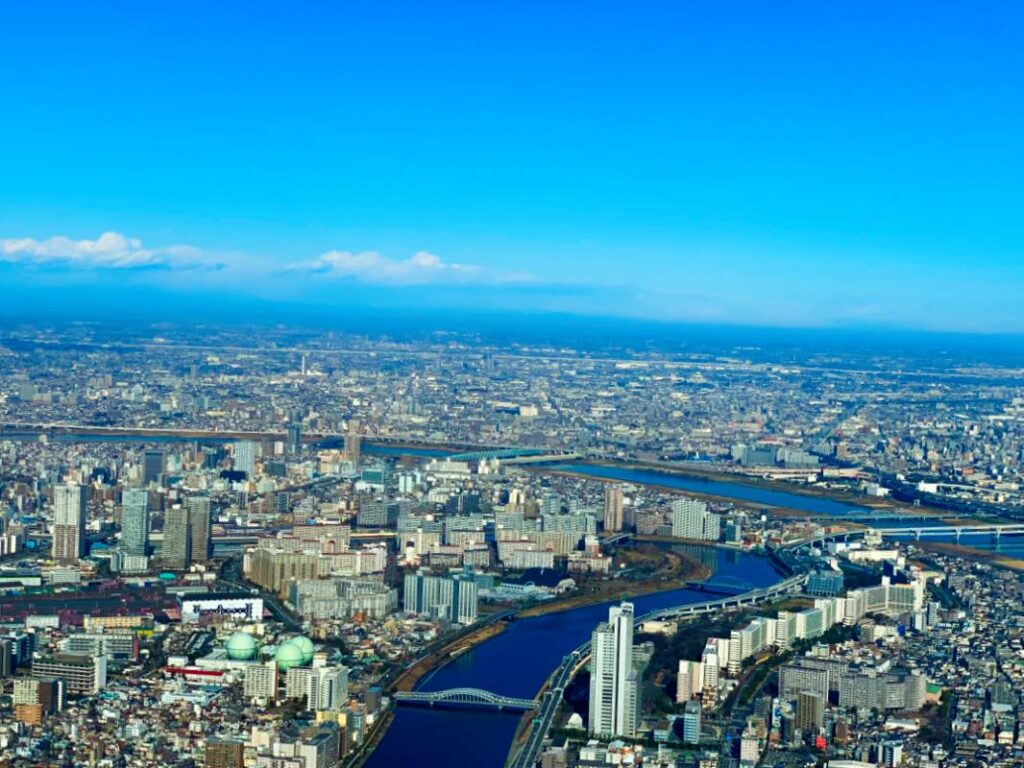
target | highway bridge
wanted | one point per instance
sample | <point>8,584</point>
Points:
<point>497,453</point>
<point>465,697</point>
<point>922,531</point>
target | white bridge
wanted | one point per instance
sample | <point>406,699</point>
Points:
<point>921,531</point>
<point>465,697</point>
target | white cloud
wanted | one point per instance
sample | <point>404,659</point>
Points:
<point>372,267</point>
<point>111,250</point>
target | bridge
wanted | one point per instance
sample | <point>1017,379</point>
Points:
<point>616,538</point>
<point>465,697</point>
<point>723,585</point>
<point>922,531</point>
<point>497,453</point>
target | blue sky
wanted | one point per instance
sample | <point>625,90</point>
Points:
<point>805,164</point>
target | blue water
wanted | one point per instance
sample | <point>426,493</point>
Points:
<point>748,493</point>
<point>516,663</point>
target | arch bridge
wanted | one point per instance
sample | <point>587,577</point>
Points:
<point>465,697</point>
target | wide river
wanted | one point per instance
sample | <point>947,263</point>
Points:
<point>519,660</point>
<point>516,663</point>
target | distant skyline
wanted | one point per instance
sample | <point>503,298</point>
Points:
<point>817,165</point>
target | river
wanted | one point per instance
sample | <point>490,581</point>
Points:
<point>516,663</point>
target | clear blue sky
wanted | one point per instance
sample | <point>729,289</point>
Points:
<point>811,163</point>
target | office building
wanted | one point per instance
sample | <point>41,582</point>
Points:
<point>613,508</point>
<point>69,510</point>
<point>245,457</point>
<point>80,674</point>
<point>691,722</point>
<point>293,445</point>
<point>614,679</point>
<point>6,658</point>
<point>135,521</point>
<point>152,466</point>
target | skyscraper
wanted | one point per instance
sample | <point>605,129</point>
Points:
<point>614,680</point>
<point>353,442</point>
<point>152,466</point>
<point>177,547</point>
<point>613,513</point>
<point>294,442</point>
<point>135,521</point>
<point>69,504</point>
<point>245,457</point>
<point>199,527</point>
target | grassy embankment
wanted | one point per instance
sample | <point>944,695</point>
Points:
<point>678,569</point>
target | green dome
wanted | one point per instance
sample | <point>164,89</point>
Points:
<point>241,646</point>
<point>289,655</point>
<point>306,646</point>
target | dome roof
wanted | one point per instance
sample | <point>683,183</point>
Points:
<point>241,646</point>
<point>289,655</point>
<point>306,646</point>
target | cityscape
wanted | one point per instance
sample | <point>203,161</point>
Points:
<point>511,385</point>
<point>224,548</point>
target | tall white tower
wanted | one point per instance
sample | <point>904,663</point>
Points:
<point>614,680</point>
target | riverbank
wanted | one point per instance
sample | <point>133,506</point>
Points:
<point>970,553</point>
<point>613,590</point>
<point>778,511</point>
<point>735,478</point>
<point>408,680</point>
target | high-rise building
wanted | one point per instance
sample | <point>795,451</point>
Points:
<point>614,679</point>
<point>81,674</point>
<point>69,507</point>
<point>810,712</point>
<point>689,680</point>
<point>6,658</point>
<point>245,457</point>
<point>453,598</point>
<point>187,534</point>
<point>199,527</point>
<point>691,722</point>
<point>294,442</point>
<point>261,681</point>
<point>177,547</point>
<point>691,519</point>
<point>224,753</point>
<point>135,521</point>
<point>613,508</point>
<point>353,442</point>
<point>152,466</point>
<point>327,689</point>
